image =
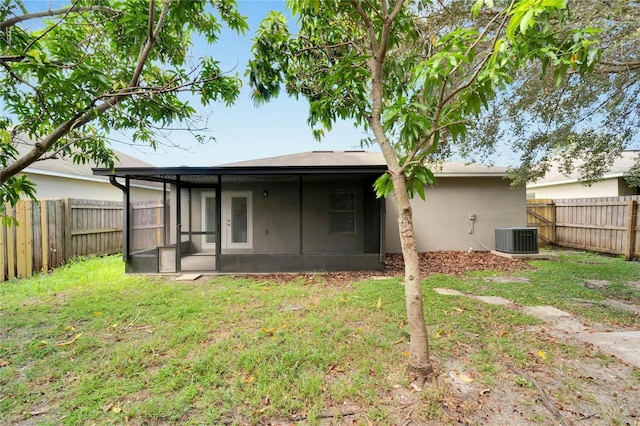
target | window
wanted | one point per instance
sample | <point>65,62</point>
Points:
<point>342,211</point>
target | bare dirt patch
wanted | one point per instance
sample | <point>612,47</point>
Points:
<point>437,262</point>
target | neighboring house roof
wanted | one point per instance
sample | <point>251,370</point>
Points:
<point>66,168</point>
<point>620,168</point>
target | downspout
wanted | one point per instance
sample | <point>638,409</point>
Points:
<point>125,217</point>
<point>219,224</point>
<point>178,224</point>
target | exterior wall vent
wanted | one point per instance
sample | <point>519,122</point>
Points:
<point>517,240</point>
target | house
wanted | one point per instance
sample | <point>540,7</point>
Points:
<point>556,185</point>
<point>62,178</point>
<point>310,212</point>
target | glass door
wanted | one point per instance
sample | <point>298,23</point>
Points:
<point>209,222</point>
<point>237,220</point>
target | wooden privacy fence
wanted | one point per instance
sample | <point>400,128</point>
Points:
<point>50,232</point>
<point>605,225</point>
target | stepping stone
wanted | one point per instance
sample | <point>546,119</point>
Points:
<point>622,306</point>
<point>188,277</point>
<point>448,292</point>
<point>545,311</point>
<point>624,344</point>
<point>562,322</point>
<point>493,300</point>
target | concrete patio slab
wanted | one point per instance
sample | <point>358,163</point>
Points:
<point>624,344</point>
<point>533,256</point>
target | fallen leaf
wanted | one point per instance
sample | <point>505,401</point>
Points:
<point>458,309</point>
<point>407,354</point>
<point>97,314</point>
<point>116,410</point>
<point>4,362</point>
<point>269,331</point>
<point>465,378</point>
<point>67,343</point>
<point>542,355</point>
<point>70,328</point>
<point>379,304</point>
<point>503,333</point>
<point>249,379</point>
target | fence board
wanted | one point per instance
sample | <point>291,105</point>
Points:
<point>21,237</point>
<point>3,274</point>
<point>606,224</point>
<point>44,232</point>
<point>50,232</point>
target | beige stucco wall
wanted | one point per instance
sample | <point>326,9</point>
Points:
<point>612,187</point>
<point>62,187</point>
<point>442,221</point>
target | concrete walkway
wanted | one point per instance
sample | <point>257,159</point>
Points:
<point>623,344</point>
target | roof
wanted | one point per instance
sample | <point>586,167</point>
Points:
<point>315,162</point>
<point>66,168</point>
<point>317,158</point>
<point>365,158</point>
<point>620,168</point>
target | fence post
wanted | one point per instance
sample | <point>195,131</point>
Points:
<point>67,230</point>
<point>2,248</point>
<point>631,230</point>
<point>553,237</point>
<point>44,231</point>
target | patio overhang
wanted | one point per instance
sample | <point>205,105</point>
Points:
<point>192,181</point>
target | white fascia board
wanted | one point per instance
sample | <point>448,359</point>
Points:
<point>491,174</point>
<point>83,178</point>
<point>570,181</point>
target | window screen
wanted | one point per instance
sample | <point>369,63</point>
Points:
<point>342,214</point>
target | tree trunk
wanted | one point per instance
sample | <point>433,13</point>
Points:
<point>420,366</point>
<point>419,363</point>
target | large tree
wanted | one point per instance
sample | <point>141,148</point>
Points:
<point>414,79</point>
<point>581,121</point>
<point>71,75</point>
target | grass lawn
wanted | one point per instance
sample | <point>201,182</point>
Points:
<point>88,345</point>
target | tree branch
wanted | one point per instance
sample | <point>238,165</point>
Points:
<point>83,117</point>
<point>36,15</point>
<point>373,41</point>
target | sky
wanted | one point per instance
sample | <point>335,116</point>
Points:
<point>243,131</point>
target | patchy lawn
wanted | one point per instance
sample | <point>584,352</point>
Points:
<point>87,345</point>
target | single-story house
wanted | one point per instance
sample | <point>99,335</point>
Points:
<point>314,211</point>
<point>62,178</point>
<point>556,185</point>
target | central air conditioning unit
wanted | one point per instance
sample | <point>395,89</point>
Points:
<point>517,240</point>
